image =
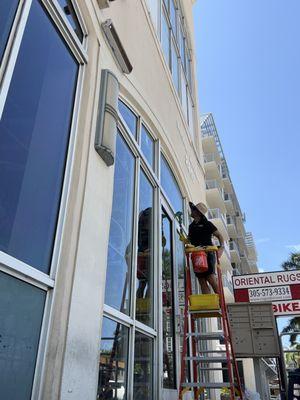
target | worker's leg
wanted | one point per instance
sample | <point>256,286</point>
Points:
<point>204,286</point>
<point>212,279</point>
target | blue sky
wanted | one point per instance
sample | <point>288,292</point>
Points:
<point>248,70</point>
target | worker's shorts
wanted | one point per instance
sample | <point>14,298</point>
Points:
<point>211,263</point>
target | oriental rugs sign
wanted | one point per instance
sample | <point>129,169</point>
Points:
<point>281,288</point>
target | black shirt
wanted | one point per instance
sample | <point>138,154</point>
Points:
<point>200,233</point>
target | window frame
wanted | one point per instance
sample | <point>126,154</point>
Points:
<point>160,198</point>
<point>9,264</point>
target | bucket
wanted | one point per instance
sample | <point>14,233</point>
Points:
<point>199,261</point>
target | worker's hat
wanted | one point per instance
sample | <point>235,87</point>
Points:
<point>200,207</point>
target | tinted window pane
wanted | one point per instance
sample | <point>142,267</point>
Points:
<point>173,16</point>
<point>143,356</point>
<point>170,187</point>
<point>69,11</point>
<point>21,313</point>
<point>113,361</point>
<point>120,239</point>
<point>147,145</point>
<point>7,12</point>
<point>168,305</point>
<point>144,294</point>
<point>183,93</point>
<point>129,117</point>
<point>175,67</point>
<point>165,38</point>
<point>34,134</point>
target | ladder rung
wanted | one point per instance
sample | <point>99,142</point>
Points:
<point>207,359</point>
<point>207,385</point>
<point>211,351</point>
<point>206,313</point>
<point>207,335</point>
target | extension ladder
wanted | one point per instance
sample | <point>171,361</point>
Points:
<point>204,360</point>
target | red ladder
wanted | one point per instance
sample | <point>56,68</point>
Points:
<point>198,357</point>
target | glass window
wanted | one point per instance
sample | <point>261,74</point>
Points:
<point>165,38</point>
<point>144,294</point>
<point>147,145</point>
<point>112,381</point>
<point>129,117</point>
<point>183,94</point>
<point>153,8</point>
<point>21,314</point>
<point>120,236</point>
<point>34,135</point>
<point>170,187</point>
<point>166,2</point>
<point>182,45</point>
<point>175,67</point>
<point>191,115</point>
<point>8,10</point>
<point>169,358</point>
<point>173,18</point>
<point>70,13</point>
<point>143,367</point>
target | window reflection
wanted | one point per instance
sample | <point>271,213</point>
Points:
<point>120,237</point>
<point>8,10</point>
<point>180,264</point>
<point>129,117</point>
<point>171,187</point>
<point>147,145</point>
<point>165,38</point>
<point>113,361</point>
<point>70,13</point>
<point>34,136</point>
<point>143,374</point>
<point>144,294</point>
<point>169,377</point>
<point>21,314</point>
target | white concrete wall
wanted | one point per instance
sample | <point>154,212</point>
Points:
<point>72,352</point>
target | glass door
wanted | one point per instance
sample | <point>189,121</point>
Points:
<point>172,288</point>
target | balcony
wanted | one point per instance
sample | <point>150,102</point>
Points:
<point>214,195</point>
<point>231,227</point>
<point>218,219</point>
<point>212,166</point>
<point>229,203</point>
<point>209,143</point>
<point>234,252</point>
<point>226,179</point>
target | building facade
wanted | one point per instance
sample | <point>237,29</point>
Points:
<point>90,258</point>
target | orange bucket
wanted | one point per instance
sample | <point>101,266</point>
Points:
<point>199,261</point>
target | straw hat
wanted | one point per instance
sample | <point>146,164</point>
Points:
<point>200,207</point>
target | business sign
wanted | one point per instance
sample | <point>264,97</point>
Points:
<point>281,288</point>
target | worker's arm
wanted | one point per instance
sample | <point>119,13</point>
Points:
<point>218,235</point>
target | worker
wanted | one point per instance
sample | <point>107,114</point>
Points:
<point>200,234</point>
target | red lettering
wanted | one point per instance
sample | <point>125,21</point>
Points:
<point>275,309</point>
<point>296,306</point>
<point>243,281</point>
<point>286,307</point>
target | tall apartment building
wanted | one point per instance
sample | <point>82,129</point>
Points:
<point>239,256</point>
<point>100,152</point>
<point>240,253</point>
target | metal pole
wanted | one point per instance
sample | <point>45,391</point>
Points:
<point>282,369</point>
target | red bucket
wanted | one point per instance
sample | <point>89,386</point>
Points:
<point>199,260</point>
